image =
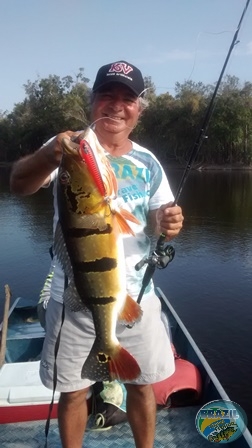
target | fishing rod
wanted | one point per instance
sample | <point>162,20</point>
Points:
<point>209,111</point>
<point>164,254</point>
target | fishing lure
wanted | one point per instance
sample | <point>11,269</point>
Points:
<point>88,156</point>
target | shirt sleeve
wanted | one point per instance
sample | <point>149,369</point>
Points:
<point>54,173</point>
<point>161,192</point>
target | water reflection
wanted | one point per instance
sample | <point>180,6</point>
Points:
<point>26,234</point>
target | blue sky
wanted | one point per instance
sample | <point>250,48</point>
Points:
<point>169,40</point>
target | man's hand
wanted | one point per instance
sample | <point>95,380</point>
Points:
<point>53,149</point>
<point>169,220</point>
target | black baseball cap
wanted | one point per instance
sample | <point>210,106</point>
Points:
<point>122,72</point>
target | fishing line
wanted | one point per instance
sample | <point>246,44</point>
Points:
<point>196,48</point>
<point>92,125</point>
<point>143,91</point>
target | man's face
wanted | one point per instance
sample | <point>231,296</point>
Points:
<point>115,109</point>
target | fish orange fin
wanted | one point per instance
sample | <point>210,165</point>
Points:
<point>109,178</point>
<point>116,363</point>
<point>128,216</point>
<point>131,312</point>
<point>121,217</point>
<point>122,223</point>
<point>112,184</point>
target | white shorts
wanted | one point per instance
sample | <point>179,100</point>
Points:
<point>147,341</point>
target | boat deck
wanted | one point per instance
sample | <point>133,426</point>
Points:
<point>175,428</point>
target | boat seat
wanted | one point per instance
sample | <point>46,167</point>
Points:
<point>30,394</point>
<point>20,383</point>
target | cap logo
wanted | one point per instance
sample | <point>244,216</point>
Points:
<point>120,67</point>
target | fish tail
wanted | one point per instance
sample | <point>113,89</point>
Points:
<point>109,365</point>
<point>123,366</point>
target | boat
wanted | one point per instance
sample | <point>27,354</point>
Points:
<point>22,395</point>
<point>24,405</point>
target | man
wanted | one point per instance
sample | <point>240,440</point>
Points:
<point>117,104</point>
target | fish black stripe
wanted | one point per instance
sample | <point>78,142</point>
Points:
<point>75,232</point>
<point>102,265</point>
<point>101,300</point>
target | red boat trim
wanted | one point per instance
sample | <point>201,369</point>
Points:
<point>15,414</point>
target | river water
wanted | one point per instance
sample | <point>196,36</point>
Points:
<point>209,282</point>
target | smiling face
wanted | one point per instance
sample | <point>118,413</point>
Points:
<point>115,111</point>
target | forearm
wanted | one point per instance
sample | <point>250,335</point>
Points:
<point>32,172</point>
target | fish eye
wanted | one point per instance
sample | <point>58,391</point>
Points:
<point>64,177</point>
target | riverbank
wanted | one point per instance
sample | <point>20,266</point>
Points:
<point>208,167</point>
<point>177,166</point>
<point>224,167</point>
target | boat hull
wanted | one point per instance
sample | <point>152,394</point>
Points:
<point>26,413</point>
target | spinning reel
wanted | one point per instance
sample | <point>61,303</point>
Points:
<point>160,257</point>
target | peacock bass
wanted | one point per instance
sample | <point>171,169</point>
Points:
<point>89,246</point>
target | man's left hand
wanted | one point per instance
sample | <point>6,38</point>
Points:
<point>169,220</point>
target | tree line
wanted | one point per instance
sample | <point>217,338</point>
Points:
<point>169,126</point>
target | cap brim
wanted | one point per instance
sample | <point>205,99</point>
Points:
<point>115,81</point>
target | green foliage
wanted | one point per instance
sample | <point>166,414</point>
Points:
<point>51,105</point>
<point>230,136</point>
<point>169,126</point>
